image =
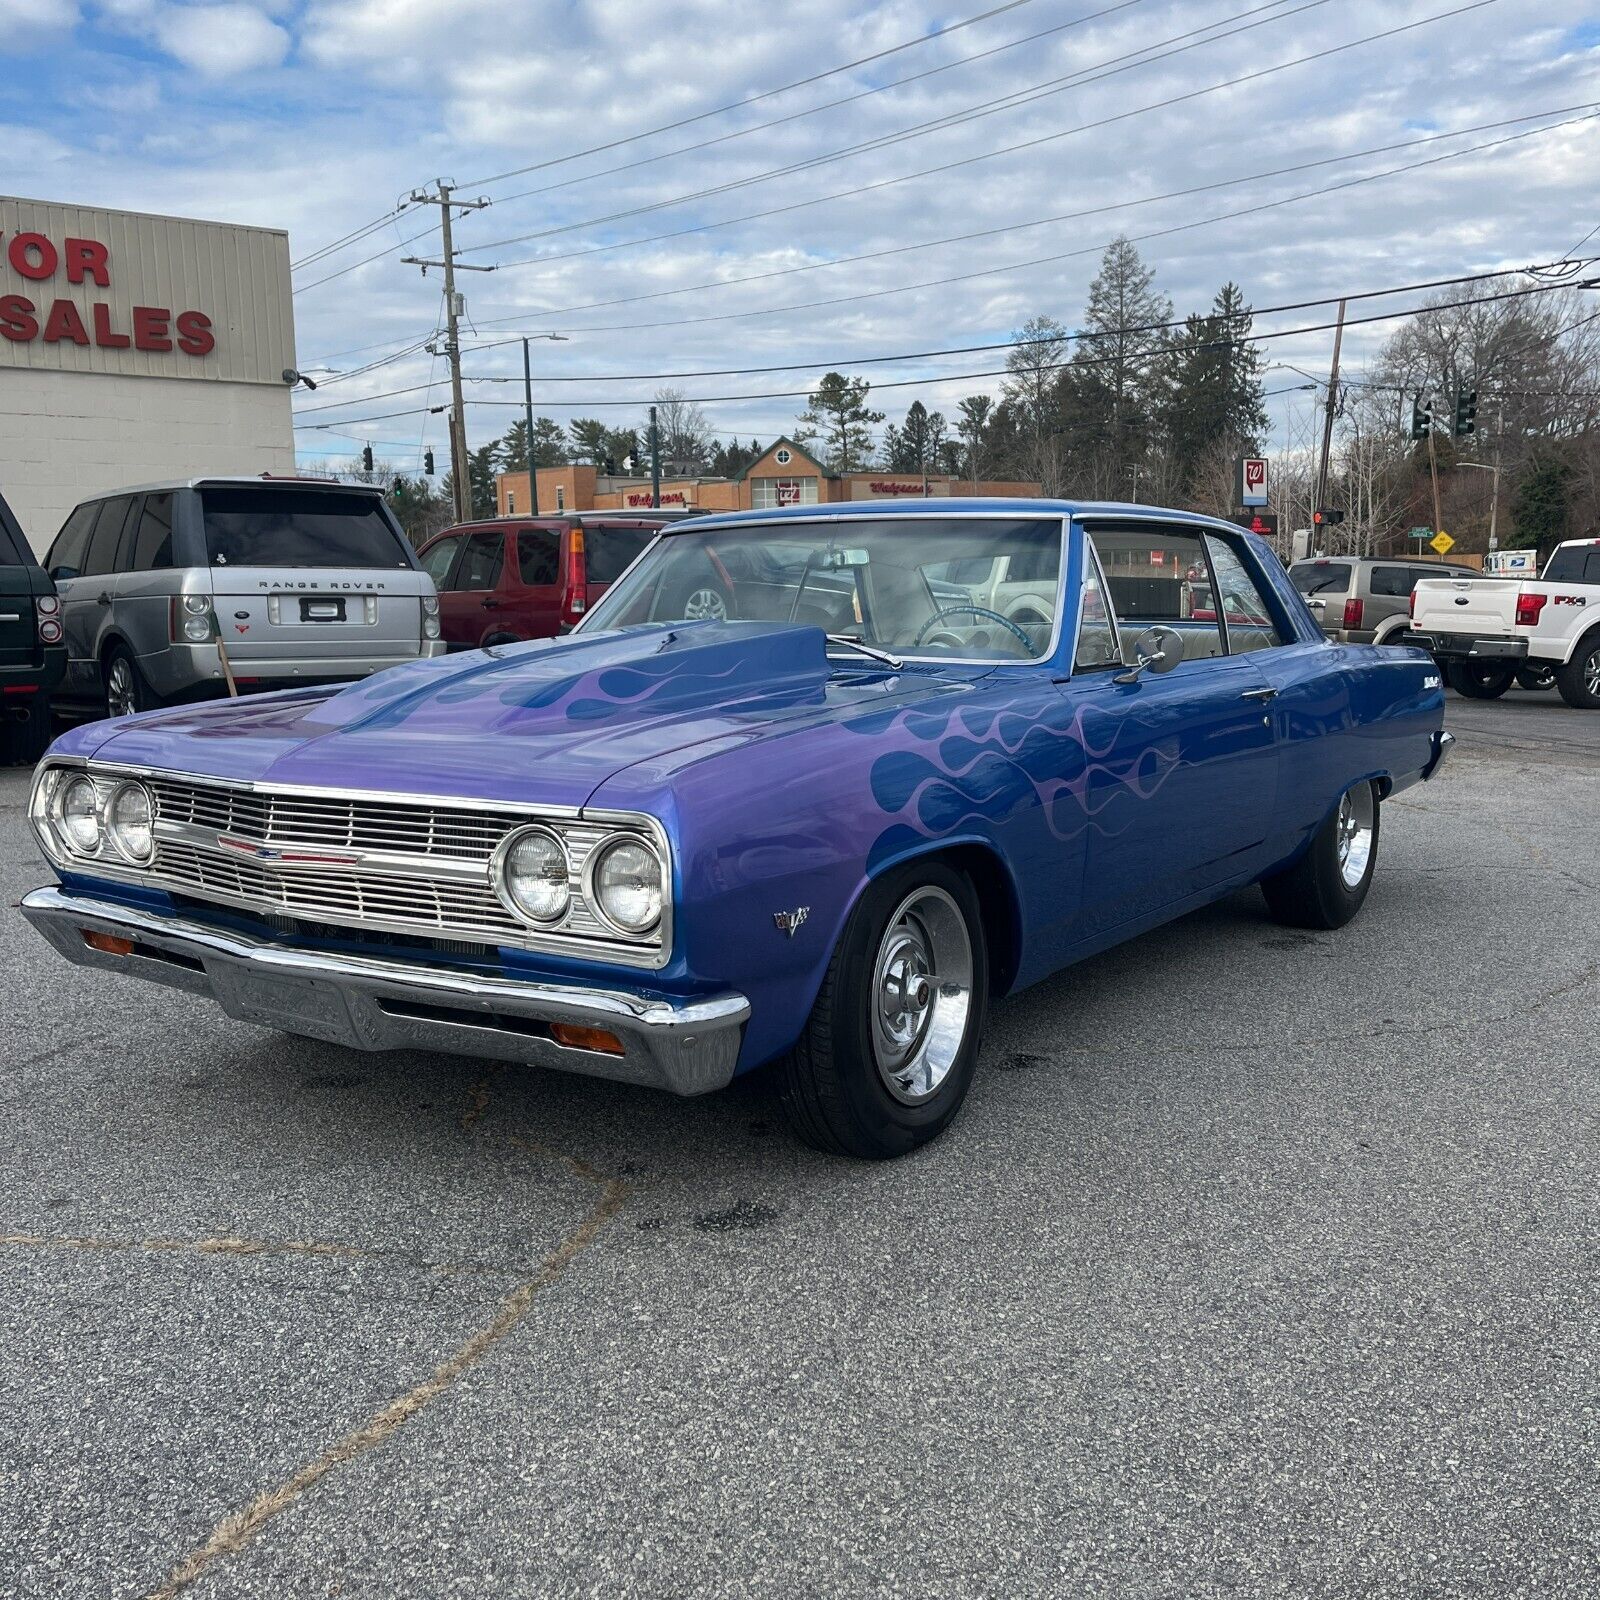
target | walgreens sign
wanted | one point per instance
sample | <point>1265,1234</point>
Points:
<point>30,310</point>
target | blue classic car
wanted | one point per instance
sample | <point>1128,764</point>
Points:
<point>809,788</point>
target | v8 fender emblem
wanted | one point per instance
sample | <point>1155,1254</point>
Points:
<point>789,921</point>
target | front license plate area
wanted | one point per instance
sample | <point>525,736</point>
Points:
<point>290,1004</point>
<point>322,609</point>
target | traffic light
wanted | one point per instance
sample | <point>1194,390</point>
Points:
<point>1466,412</point>
<point>1421,418</point>
<point>609,466</point>
<point>366,458</point>
<point>427,462</point>
<point>1327,519</point>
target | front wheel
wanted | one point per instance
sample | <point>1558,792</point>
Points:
<point>1579,679</point>
<point>1326,886</point>
<point>889,1051</point>
<point>1480,680</point>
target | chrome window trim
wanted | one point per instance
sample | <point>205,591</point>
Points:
<point>698,525</point>
<point>1093,554</point>
<point>652,950</point>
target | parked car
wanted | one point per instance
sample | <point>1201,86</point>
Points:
<point>1499,630</point>
<point>32,656</point>
<point>1365,599</point>
<point>667,851</point>
<point>171,590</point>
<point>527,577</point>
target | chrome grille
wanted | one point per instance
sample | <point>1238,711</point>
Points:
<point>426,866</point>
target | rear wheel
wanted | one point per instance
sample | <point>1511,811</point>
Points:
<point>1536,675</point>
<point>1480,680</point>
<point>126,688</point>
<point>1579,679</point>
<point>889,1051</point>
<point>1327,885</point>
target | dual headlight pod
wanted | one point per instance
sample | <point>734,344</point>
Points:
<point>622,880</point>
<point>86,816</point>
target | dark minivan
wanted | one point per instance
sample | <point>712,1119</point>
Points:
<point>527,577</point>
<point>32,655</point>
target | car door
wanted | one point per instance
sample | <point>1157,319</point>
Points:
<point>437,559</point>
<point>88,596</point>
<point>1181,772</point>
<point>536,606</point>
<point>142,606</point>
<point>467,608</point>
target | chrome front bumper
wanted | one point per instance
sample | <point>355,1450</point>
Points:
<point>374,1003</point>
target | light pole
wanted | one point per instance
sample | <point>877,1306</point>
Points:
<point>1494,494</point>
<point>527,406</point>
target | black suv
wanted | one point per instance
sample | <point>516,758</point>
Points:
<point>32,654</point>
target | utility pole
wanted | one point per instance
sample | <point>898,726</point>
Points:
<point>655,462</point>
<point>1327,423</point>
<point>527,411</point>
<point>453,305</point>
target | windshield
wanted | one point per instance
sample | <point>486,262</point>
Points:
<point>1574,563</point>
<point>1320,577</point>
<point>968,588</point>
<point>250,527</point>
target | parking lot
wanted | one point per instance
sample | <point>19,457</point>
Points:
<point>1260,1263</point>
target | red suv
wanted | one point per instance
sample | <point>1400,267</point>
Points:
<point>526,577</point>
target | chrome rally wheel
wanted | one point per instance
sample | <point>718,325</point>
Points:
<point>1327,883</point>
<point>1358,828</point>
<point>921,995</point>
<point>122,693</point>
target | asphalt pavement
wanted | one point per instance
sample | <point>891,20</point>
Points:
<point>1261,1263</point>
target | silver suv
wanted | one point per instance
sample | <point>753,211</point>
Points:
<point>179,591</point>
<point>1366,599</point>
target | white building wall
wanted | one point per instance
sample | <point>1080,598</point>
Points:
<point>67,435</point>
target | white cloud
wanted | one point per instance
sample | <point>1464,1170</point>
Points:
<point>31,23</point>
<point>221,41</point>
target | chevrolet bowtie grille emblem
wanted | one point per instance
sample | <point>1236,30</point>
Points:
<point>288,855</point>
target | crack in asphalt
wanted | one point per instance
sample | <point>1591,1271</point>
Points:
<point>234,1532</point>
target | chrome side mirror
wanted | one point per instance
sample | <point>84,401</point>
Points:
<point>1157,649</point>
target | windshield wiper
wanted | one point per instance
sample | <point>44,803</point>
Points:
<point>866,650</point>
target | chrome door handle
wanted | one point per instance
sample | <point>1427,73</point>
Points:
<point>102,599</point>
<point>1259,694</point>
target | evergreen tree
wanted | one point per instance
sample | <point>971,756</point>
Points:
<point>1032,390</point>
<point>838,414</point>
<point>977,413</point>
<point>1212,399</point>
<point>549,445</point>
<point>1540,506</point>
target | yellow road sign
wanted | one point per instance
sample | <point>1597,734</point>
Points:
<point>1442,542</point>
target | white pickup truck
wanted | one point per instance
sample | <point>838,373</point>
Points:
<point>1482,630</point>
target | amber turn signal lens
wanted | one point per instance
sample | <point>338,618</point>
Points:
<point>108,942</point>
<point>576,1038</point>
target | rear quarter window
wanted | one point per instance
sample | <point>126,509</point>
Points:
<point>1580,564</point>
<point>272,527</point>
<point>1393,581</point>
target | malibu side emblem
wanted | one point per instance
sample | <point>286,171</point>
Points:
<point>789,921</point>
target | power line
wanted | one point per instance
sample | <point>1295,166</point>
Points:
<point>1068,255</point>
<point>348,238</point>
<point>1090,361</point>
<point>755,99</point>
<point>826,105</point>
<point>1112,67</point>
<point>1040,222</point>
<point>366,261</point>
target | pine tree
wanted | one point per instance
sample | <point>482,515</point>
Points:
<point>1212,398</point>
<point>838,414</point>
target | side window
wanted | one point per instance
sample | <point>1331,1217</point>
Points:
<point>1097,637</point>
<point>1394,582</point>
<point>1245,614</point>
<point>1158,574</point>
<point>65,559</point>
<point>436,563</point>
<point>107,535</point>
<point>152,542</point>
<point>480,566</point>
<point>538,552</point>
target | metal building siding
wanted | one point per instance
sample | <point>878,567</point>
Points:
<point>237,276</point>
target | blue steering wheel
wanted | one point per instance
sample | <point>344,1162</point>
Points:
<point>975,611</point>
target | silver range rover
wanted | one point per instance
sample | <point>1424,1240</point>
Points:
<point>177,591</point>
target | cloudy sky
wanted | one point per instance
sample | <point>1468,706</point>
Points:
<point>1038,130</point>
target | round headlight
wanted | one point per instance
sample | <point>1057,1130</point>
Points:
<point>627,885</point>
<point>129,822</point>
<point>79,815</point>
<point>533,876</point>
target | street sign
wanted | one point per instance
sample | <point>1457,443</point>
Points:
<point>1421,535</point>
<point>1442,542</point>
<point>1250,480</point>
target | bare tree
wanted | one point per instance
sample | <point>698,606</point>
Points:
<point>1033,384</point>
<point>683,432</point>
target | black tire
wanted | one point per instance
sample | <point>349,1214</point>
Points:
<point>831,1087</point>
<point>1480,680</point>
<point>1579,679</point>
<point>126,687</point>
<point>1536,675</point>
<point>1315,891</point>
<point>25,739</point>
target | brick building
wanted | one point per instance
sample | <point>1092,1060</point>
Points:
<point>786,475</point>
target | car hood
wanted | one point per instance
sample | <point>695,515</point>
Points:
<point>545,722</point>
